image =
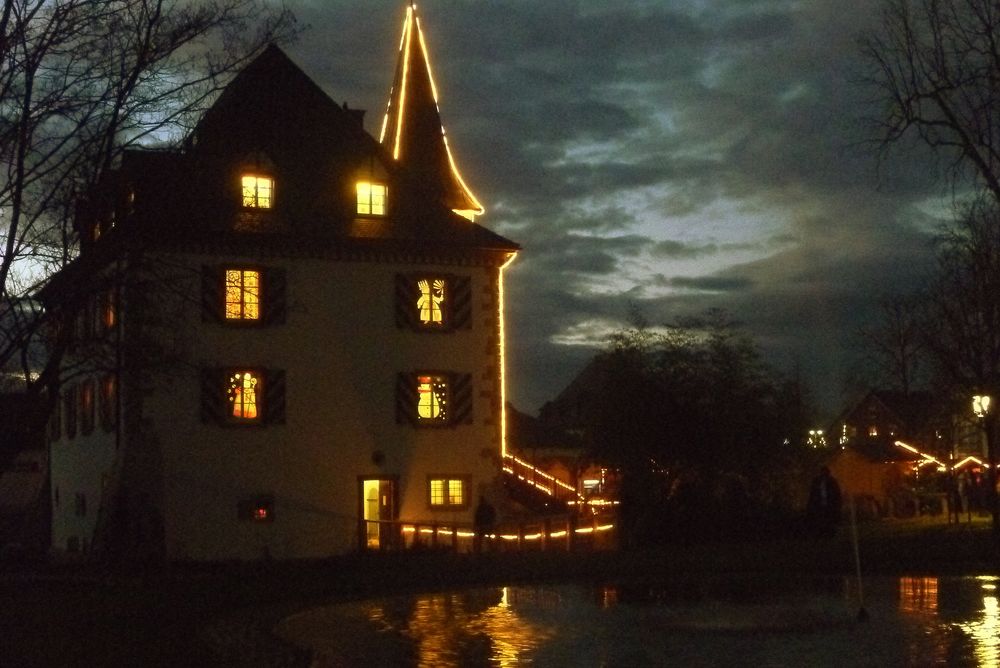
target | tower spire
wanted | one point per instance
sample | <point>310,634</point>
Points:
<point>412,130</point>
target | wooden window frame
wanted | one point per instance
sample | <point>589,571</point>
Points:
<point>459,401</point>
<point>259,389</point>
<point>369,203</point>
<point>447,503</point>
<point>456,307</point>
<point>444,403</point>
<point>272,289</point>
<point>254,204</point>
<point>216,408</point>
<point>243,319</point>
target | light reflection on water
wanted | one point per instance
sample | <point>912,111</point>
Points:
<point>912,622</point>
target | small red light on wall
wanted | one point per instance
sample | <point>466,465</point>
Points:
<point>259,508</point>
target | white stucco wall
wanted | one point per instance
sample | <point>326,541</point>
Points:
<point>341,352</point>
<point>78,465</point>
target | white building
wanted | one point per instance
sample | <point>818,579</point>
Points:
<point>287,336</point>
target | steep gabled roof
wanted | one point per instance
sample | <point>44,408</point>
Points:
<point>412,130</point>
<point>273,117</point>
<point>273,89</point>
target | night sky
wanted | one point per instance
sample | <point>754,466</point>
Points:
<point>672,156</point>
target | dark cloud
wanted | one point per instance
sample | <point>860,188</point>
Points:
<point>660,153</point>
<point>710,283</point>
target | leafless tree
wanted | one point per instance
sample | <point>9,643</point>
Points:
<point>81,80</point>
<point>936,73</point>
<point>961,319</point>
<point>895,344</point>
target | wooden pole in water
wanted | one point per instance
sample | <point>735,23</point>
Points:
<point>862,613</point>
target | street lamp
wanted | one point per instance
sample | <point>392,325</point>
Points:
<point>981,407</point>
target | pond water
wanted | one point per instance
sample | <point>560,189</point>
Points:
<point>912,621</point>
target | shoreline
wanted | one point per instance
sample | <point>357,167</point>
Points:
<point>222,614</point>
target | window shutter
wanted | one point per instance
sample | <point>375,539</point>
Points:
<point>213,294</point>
<point>274,396</point>
<point>406,301</point>
<point>275,301</point>
<point>406,399</point>
<point>213,396</point>
<point>461,398</point>
<point>461,302</point>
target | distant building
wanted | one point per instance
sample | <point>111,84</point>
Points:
<point>890,444</point>
<point>882,417</point>
<point>287,336</point>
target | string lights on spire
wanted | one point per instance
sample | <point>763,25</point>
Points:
<point>412,127</point>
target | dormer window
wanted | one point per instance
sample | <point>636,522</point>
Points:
<point>372,199</point>
<point>258,191</point>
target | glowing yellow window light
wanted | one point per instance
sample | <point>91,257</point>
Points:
<point>430,300</point>
<point>242,294</point>
<point>431,397</point>
<point>447,491</point>
<point>372,198</point>
<point>257,191</point>
<point>437,492</point>
<point>456,492</point>
<point>243,395</point>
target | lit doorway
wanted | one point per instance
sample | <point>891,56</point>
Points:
<point>378,512</point>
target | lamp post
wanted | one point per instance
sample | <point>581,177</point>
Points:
<point>982,408</point>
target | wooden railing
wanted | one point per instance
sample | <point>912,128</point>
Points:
<point>558,532</point>
<point>544,482</point>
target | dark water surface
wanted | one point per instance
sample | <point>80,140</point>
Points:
<point>912,621</point>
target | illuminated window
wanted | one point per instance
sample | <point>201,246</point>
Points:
<point>107,315</point>
<point>372,198</point>
<point>430,301</point>
<point>434,302</point>
<point>447,492</point>
<point>257,191</point>
<point>239,296</point>
<point>247,396</point>
<point>87,407</point>
<point>242,294</point>
<point>70,409</point>
<point>109,401</point>
<point>432,398</point>
<point>243,394</point>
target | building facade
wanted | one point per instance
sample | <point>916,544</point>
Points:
<point>287,336</point>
